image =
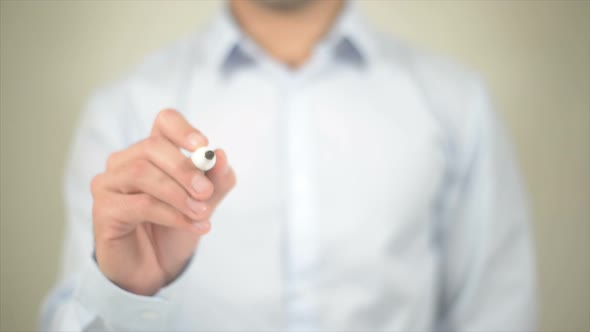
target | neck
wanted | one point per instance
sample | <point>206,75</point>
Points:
<point>287,35</point>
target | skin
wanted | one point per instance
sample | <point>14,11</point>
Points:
<point>152,205</point>
<point>290,31</point>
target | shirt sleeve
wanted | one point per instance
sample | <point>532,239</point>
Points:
<point>84,298</point>
<point>488,277</point>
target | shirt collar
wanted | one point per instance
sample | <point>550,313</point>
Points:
<point>349,40</point>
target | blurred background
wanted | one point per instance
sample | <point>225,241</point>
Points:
<point>535,56</point>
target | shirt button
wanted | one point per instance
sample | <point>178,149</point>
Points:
<point>149,315</point>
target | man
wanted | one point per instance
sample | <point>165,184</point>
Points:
<point>376,190</point>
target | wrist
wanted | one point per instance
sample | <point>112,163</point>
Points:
<point>135,280</point>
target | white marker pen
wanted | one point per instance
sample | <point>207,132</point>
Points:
<point>204,158</point>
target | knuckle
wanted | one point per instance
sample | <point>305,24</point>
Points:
<point>139,168</point>
<point>96,183</point>
<point>144,202</point>
<point>100,210</point>
<point>165,115</point>
<point>151,144</point>
<point>112,161</point>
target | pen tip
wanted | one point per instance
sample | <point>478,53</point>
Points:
<point>209,154</point>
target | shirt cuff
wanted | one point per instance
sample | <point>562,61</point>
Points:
<point>122,310</point>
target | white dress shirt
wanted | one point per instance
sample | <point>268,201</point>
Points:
<point>376,191</point>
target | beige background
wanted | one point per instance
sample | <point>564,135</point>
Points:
<point>535,55</point>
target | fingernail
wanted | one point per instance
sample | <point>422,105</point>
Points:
<point>202,227</point>
<point>200,184</point>
<point>198,207</point>
<point>194,140</point>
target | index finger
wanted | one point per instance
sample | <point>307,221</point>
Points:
<point>173,126</point>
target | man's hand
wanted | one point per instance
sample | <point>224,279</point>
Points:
<point>152,205</point>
